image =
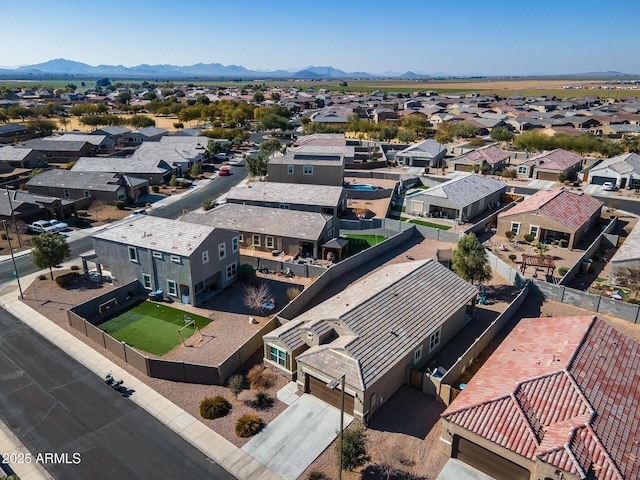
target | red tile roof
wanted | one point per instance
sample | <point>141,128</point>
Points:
<point>490,154</point>
<point>567,208</point>
<point>557,159</point>
<point>563,390</point>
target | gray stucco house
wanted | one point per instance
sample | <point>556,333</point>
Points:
<point>186,261</point>
<point>268,229</point>
<point>325,199</point>
<point>375,332</point>
<point>428,153</point>
<point>461,198</point>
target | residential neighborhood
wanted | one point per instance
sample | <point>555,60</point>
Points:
<point>453,275</point>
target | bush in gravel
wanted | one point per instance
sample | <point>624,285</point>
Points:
<point>66,279</point>
<point>315,475</point>
<point>354,452</point>
<point>562,271</point>
<point>260,378</point>
<point>248,425</point>
<point>42,277</point>
<point>155,188</point>
<point>262,400</point>
<point>292,292</point>
<point>513,257</point>
<point>235,385</point>
<point>119,205</point>
<point>214,407</point>
<point>529,237</point>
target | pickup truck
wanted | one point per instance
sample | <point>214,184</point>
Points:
<point>221,156</point>
<point>43,226</point>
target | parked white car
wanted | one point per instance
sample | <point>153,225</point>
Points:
<point>138,212</point>
<point>42,226</point>
<point>608,186</point>
<point>59,226</point>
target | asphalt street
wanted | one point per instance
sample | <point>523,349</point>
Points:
<point>55,405</point>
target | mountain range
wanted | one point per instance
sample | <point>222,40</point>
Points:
<point>63,67</point>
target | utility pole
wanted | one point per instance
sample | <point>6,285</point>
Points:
<point>13,259</point>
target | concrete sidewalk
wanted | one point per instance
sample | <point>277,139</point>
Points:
<point>214,446</point>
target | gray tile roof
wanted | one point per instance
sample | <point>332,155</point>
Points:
<point>132,165</point>
<point>12,154</point>
<point>287,334</point>
<point>80,137</point>
<point>276,192</point>
<point>160,234</point>
<point>465,190</point>
<point>113,131</point>
<point>17,199</point>
<point>627,163</point>
<point>427,148</point>
<point>630,249</point>
<point>263,220</point>
<point>389,314</point>
<point>104,182</point>
<point>49,144</point>
<point>151,131</point>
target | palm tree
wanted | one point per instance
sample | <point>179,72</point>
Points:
<point>541,248</point>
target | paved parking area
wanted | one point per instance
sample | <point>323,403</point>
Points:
<point>290,443</point>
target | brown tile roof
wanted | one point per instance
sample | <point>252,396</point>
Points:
<point>490,154</point>
<point>557,159</point>
<point>567,208</point>
<point>563,390</point>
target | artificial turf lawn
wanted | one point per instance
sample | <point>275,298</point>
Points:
<point>357,243</point>
<point>151,327</point>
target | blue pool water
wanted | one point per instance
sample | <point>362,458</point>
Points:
<point>362,187</point>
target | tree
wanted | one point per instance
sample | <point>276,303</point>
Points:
<point>275,96</point>
<point>41,127</point>
<point>257,166</point>
<point>103,82</point>
<point>256,295</point>
<point>63,121</point>
<point>49,250</point>
<point>274,122</point>
<point>270,146</point>
<point>235,385</point>
<point>502,134</point>
<point>124,98</point>
<point>141,121</point>
<point>470,260</point>
<point>258,97</point>
<point>541,248</point>
<point>97,206</point>
<point>195,170</point>
<point>354,449</point>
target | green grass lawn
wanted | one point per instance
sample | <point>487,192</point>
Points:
<point>151,327</point>
<point>357,243</point>
<point>429,224</point>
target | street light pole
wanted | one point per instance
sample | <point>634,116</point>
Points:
<point>332,385</point>
<point>15,269</point>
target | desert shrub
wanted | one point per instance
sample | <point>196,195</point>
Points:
<point>509,173</point>
<point>214,407</point>
<point>529,237</point>
<point>426,170</point>
<point>315,475</point>
<point>510,234</point>
<point>66,279</point>
<point>119,205</point>
<point>42,277</point>
<point>566,182</point>
<point>292,292</point>
<point>23,186</point>
<point>248,425</point>
<point>208,204</point>
<point>633,301</point>
<point>155,188</point>
<point>512,257</point>
<point>235,385</point>
<point>562,271</point>
<point>262,400</point>
<point>260,378</point>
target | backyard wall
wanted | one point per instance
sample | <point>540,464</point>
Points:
<point>442,387</point>
<point>299,269</point>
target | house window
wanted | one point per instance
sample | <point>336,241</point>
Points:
<point>284,206</point>
<point>146,281</point>
<point>87,194</point>
<point>157,254</point>
<point>269,242</point>
<point>290,169</point>
<point>176,259</point>
<point>205,256</point>
<point>330,233</point>
<point>232,270</point>
<point>133,254</point>
<point>417,355</point>
<point>256,240</point>
<point>121,195</point>
<point>534,230</point>
<point>277,355</point>
<point>434,340</point>
<point>234,244</point>
<point>66,193</point>
<point>417,206</point>
<point>307,170</point>
<point>172,288</point>
<point>522,169</point>
<point>222,251</point>
<point>199,287</point>
<point>241,238</point>
<point>515,227</point>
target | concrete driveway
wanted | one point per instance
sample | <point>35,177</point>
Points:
<point>289,444</point>
<point>456,470</point>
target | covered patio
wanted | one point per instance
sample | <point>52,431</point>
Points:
<point>333,247</point>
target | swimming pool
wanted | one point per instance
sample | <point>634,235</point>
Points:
<point>362,187</point>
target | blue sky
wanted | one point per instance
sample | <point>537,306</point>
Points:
<point>458,37</point>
